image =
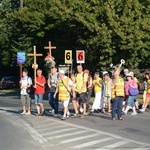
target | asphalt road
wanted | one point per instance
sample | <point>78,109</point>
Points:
<point>13,135</point>
<point>94,132</point>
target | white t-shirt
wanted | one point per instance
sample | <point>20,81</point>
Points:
<point>25,81</point>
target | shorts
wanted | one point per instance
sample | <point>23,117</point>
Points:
<point>130,101</point>
<point>148,95</point>
<point>66,103</point>
<point>26,99</point>
<point>82,97</point>
<point>107,99</point>
<point>38,98</point>
<point>74,99</point>
<point>126,98</point>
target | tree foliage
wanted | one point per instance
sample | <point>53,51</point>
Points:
<point>107,30</point>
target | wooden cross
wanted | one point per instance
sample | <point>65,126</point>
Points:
<point>35,65</point>
<point>50,48</point>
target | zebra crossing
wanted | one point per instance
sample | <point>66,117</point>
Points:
<point>52,132</point>
<point>79,137</point>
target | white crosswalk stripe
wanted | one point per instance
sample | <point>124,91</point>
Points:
<point>141,148</point>
<point>79,138</point>
<point>50,126</point>
<point>67,134</point>
<point>92,143</point>
<point>58,131</point>
<point>114,145</point>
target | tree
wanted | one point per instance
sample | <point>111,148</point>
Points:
<point>107,30</point>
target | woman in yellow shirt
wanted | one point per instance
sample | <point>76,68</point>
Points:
<point>147,75</point>
<point>97,83</point>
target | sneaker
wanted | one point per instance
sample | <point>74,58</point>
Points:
<point>81,110</point>
<point>63,118</point>
<point>121,119</point>
<point>23,113</point>
<point>134,113</point>
<point>28,113</point>
<point>125,113</point>
<point>55,115</point>
<point>67,116</point>
<point>51,111</point>
<point>142,110</point>
<point>138,111</point>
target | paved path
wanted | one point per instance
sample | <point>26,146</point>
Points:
<point>55,134</point>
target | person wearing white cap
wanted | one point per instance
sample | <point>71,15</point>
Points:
<point>126,71</point>
<point>64,88</point>
<point>118,92</point>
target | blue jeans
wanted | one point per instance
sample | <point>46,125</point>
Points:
<point>117,107</point>
<point>53,102</point>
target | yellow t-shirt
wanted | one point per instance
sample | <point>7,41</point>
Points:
<point>148,86</point>
<point>80,79</point>
<point>135,79</point>
<point>97,88</point>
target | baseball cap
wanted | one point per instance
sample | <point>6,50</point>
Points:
<point>126,70</point>
<point>61,71</point>
<point>105,72</point>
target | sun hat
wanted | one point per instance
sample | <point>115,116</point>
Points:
<point>129,75</point>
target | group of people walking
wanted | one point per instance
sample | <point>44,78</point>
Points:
<point>114,95</point>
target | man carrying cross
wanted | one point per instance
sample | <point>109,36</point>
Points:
<point>40,82</point>
<point>39,85</point>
